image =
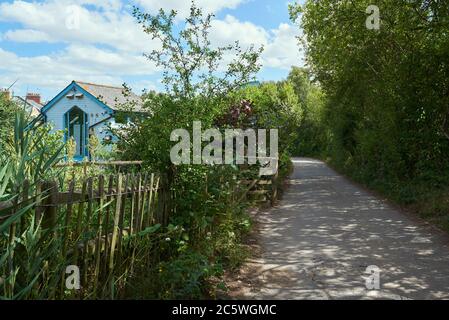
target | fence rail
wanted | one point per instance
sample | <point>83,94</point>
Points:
<point>261,190</point>
<point>99,225</point>
<point>99,164</point>
<point>91,221</point>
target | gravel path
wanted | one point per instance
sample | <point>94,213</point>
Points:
<point>319,240</point>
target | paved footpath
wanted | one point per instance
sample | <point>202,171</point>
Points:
<point>319,240</point>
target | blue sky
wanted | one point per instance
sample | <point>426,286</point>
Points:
<point>45,44</point>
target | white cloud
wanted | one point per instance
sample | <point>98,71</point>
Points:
<point>142,85</point>
<point>280,45</point>
<point>105,61</point>
<point>230,29</point>
<point>283,50</point>
<point>183,6</point>
<point>68,21</point>
<point>27,35</point>
<point>104,43</point>
<point>77,62</point>
<point>113,5</point>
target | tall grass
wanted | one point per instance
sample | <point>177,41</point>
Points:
<point>160,261</point>
<point>34,251</point>
<point>27,156</point>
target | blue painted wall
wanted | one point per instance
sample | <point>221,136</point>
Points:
<point>55,114</point>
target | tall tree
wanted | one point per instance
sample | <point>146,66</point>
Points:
<point>388,89</point>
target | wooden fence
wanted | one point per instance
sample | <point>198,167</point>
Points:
<point>261,190</point>
<point>99,225</point>
<point>94,223</point>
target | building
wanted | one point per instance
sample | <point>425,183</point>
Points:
<point>82,109</point>
<point>31,103</point>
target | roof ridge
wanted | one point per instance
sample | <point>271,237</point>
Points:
<point>98,85</point>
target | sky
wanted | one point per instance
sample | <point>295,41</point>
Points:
<point>46,44</point>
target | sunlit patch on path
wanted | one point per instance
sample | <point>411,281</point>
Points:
<point>319,240</point>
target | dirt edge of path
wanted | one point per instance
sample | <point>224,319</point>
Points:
<point>246,278</point>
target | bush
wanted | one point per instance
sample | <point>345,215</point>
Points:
<point>386,92</point>
<point>184,277</point>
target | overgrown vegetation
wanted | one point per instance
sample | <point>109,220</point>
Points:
<point>8,110</point>
<point>201,87</point>
<point>25,155</point>
<point>207,206</point>
<point>385,119</point>
<point>40,237</point>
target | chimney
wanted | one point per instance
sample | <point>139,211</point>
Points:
<point>36,97</point>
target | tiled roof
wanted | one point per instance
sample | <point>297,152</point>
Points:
<point>114,97</point>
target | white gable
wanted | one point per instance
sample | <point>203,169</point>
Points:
<point>55,115</point>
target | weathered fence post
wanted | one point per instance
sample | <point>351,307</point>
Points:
<point>116,230</point>
<point>121,221</point>
<point>138,203</point>
<point>51,210</point>
<point>142,205</point>
<point>133,203</point>
<point>79,222</point>
<point>90,195</point>
<point>67,223</point>
<point>99,232</point>
<point>274,189</point>
<point>152,199</point>
<point>107,222</point>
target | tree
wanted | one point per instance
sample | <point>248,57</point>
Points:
<point>312,134</point>
<point>387,89</point>
<point>196,78</point>
<point>192,66</point>
<point>299,78</point>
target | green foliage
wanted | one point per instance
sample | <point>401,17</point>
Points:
<point>8,109</point>
<point>204,202</point>
<point>227,242</point>
<point>184,276</point>
<point>94,146</point>
<point>149,139</point>
<point>387,90</point>
<point>191,63</point>
<point>313,135</point>
<point>71,149</point>
<point>30,153</point>
<point>196,89</point>
<point>276,106</point>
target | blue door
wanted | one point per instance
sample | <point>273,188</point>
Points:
<point>76,125</point>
